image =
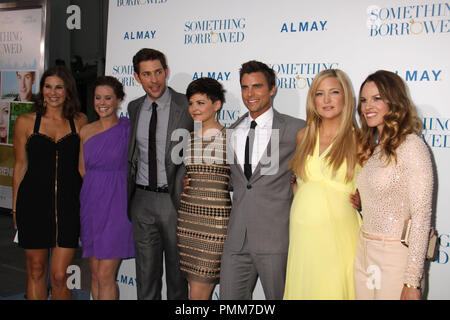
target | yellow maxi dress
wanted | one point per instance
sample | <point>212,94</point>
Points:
<point>323,234</point>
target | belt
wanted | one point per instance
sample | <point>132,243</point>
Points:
<point>376,237</point>
<point>164,189</point>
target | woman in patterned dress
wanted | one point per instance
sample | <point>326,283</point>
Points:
<point>205,204</point>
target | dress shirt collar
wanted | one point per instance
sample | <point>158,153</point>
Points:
<point>162,102</point>
<point>263,121</point>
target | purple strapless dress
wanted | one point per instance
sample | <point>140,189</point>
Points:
<point>106,232</point>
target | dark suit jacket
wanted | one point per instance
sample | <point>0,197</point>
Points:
<point>179,117</point>
<point>261,206</point>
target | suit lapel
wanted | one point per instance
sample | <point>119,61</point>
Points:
<point>175,114</point>
<point>235,159</point>
<point>134,123</point>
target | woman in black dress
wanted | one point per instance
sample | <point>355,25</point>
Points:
<point>46,183</point>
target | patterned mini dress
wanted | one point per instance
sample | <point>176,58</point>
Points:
<point>204,209</point>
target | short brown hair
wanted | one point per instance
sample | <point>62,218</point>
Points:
<point>256,66</point>
<point>146,54</point>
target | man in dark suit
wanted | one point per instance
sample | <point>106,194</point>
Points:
<point>258,231</point>
<point>155,181</point>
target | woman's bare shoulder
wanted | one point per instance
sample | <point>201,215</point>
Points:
<point>80,118</point>
<point>25,120</point>
<point>89,130</point>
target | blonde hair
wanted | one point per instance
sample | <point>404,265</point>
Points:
<point>344,146</point>
<point>400,120</point>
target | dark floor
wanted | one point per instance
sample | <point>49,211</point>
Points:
<point>13,276</point>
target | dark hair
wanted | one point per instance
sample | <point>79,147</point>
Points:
<point>256,66</point>
<point>211,87</point>
<point>111,82</point>
<point>71,104</point>
<point>146,54</point>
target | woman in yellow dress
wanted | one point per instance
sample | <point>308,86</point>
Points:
<point>324,225</point>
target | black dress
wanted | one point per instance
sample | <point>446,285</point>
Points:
<point>48,205</point>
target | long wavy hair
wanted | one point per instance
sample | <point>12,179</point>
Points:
<point>344,146</point>
<point>71,104</point>
<point>400,120</point>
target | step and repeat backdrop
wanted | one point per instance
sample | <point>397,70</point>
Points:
<point>298,39</point>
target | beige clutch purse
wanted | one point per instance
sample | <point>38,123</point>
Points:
<point>431,251</point>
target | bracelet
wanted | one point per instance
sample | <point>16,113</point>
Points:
<point>411,286</point>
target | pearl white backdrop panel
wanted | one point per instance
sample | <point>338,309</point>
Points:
<point>297,39</point>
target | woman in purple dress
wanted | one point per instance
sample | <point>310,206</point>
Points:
<point>106,233</point>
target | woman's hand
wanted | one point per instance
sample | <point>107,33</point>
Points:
<point>410,294</point>
<point>293,179</point>
<point>294,183</point>
<point>186,181</point>
<point>355,200</point>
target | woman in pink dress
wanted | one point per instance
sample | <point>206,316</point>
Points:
<point>395,184</point>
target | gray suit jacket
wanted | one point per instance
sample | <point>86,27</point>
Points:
<point>179,117</point>
<point>261,206</point>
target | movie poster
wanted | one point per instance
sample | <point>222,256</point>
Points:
<point>21,35</point>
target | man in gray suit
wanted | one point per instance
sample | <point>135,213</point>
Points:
<point>154,181</point>
<point>258,231</point>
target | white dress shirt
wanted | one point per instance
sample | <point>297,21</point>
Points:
<point>263,132</point>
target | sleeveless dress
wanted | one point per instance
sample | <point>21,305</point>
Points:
<point>48,206</point>
<point>205,208</point>
<point>106,232</point>
<point>323,233</point>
